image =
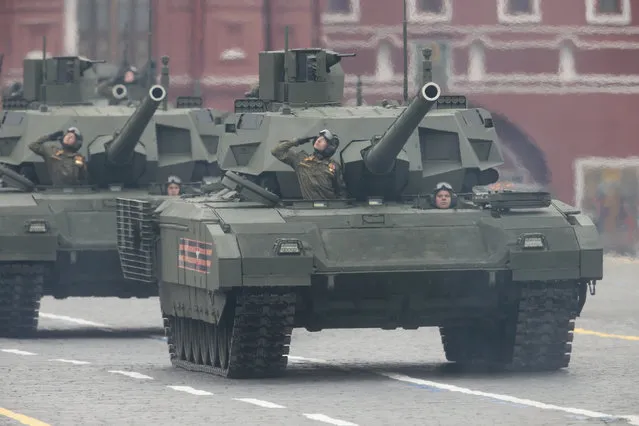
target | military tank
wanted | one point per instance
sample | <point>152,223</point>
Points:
<point>61,241</point>
<point>503,274</point>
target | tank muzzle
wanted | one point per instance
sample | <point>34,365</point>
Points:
<point>430,91</point>
<point>119,91</point>
<point>157,93</point>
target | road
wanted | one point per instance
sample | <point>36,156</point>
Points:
<point>105,362</point>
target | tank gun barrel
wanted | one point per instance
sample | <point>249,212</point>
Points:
<point>126,140</point>
<point>379,159</point>
<point>119,91</point>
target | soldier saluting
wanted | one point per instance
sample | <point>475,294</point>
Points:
<point>320,178</point>
<point>60,152</point>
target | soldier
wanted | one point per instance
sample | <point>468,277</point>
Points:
<point>254,92</point>
<point>66,166</point>
<point>320,178</point>
<point>173,186</point>
<point>444,196</point>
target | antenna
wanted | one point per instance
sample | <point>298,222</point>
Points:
<point>267,14</point>
<point>43,85</point>
<point>286,64</point>
<point>150,71</point>
<point>125,52</point>
<point>405,52</point>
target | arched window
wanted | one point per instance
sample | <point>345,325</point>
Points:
<point>384,68</point>
<point>107,27</point>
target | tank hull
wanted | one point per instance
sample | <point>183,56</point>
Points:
<point>464,271</point>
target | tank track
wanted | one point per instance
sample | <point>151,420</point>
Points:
<point>251,341</point>
<point>20,293</point>
<point>538,337</point>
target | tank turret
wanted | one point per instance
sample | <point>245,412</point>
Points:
<point>296,78</point>
<point>387,151</point>
<point>120,158</point>
<point>60,80</point>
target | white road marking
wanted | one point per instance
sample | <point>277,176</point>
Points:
<point>71,361</point>
<point>304,359</point>
<point>260,402</point>
<point>132,374</point>
<point>329,420</point>
<point>500,397</point>
<point>73,320</point>
<point>632,419</point>
<point>189,389</point>
<point>17,352</point>
<point>317,361</point>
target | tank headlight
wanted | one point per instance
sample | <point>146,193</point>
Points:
<point>532,241</point>
<point>288,246</point>
<point>37,227</point>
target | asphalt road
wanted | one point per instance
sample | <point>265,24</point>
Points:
<point>104,362</point>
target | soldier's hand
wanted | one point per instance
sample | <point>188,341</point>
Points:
<point>302,141</point>
<point>56,135</point>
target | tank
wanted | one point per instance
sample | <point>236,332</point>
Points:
<point>239,269</point>
<point>68,80</point>
<point>62,241</point>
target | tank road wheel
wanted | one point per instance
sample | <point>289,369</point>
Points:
<point>205,337</point>
<point>169,328</point>
<point>251,340</point>
<point>223,343</point>
<point>20,293</point>
<point>179,337</point>
<point>190,336</point>
<point>211,332</point>
<point>476,344</point>
<point>536,337</point>
<point>198,341</point>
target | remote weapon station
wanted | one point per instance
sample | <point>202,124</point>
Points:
<point>61,241</point>
<point>239,269</point>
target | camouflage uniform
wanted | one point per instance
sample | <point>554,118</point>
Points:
<point>320,178</point>
<point>66,167</point>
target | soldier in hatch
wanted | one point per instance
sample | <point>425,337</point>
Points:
<point>60,152</point>
<point>173,186</point>
<point>320,177</point>
<point>444,196</point>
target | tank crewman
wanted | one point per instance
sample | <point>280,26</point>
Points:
<point>66,166</point>
<point>444,196</point>
<point>254,92</point>
<point>129,77</point>
<point>320,178</point>
<point>173,186</point>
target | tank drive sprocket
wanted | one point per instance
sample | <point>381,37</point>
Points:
<point>21,287</point>
<point>536,336</point>
<point>251,340</point>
